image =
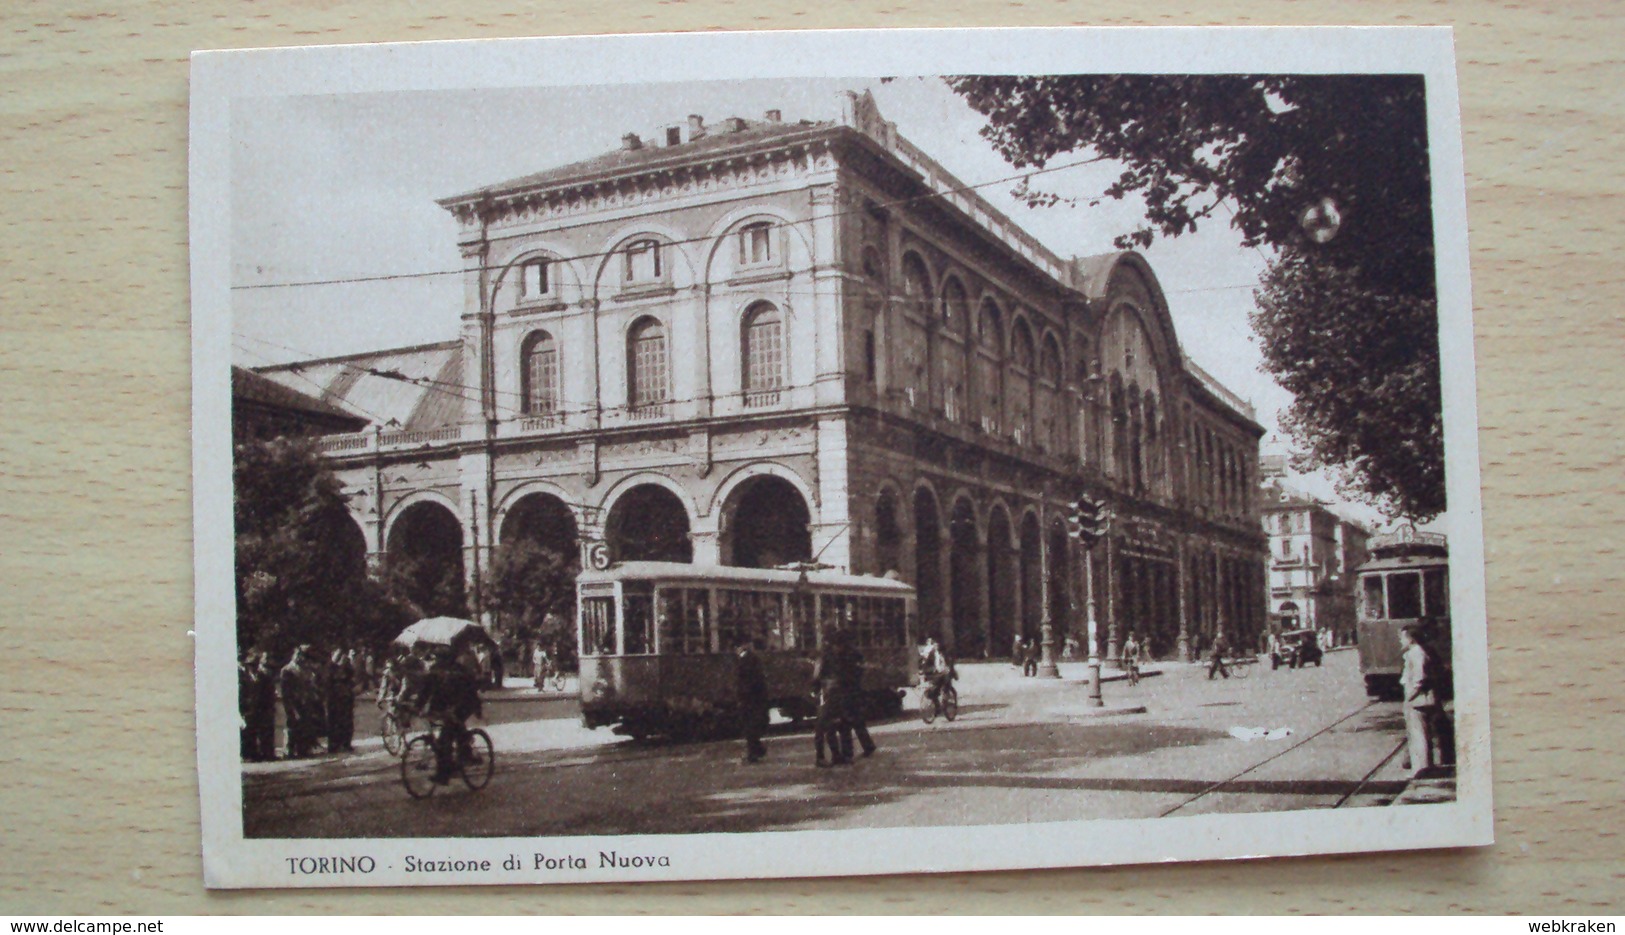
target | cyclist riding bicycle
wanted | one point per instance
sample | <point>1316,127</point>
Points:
<point>450,696</point>
<point>936,669</point>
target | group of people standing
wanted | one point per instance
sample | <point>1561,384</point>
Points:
<point>317,693</point>
<point>838,686</point>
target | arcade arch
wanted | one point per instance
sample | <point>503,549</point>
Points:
<point>765,523</point>
<point>928,563</point>
<point>967,577</point>
<point>648,523</point>
<point>425,556</point>
<point>888,533</point>
<point>1003,607</point>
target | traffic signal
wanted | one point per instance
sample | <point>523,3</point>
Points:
<point>1087,520</point>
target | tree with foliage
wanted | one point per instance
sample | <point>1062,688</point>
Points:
<point>532,589</point>
<point>300,577</point>
<point>1331,171</point>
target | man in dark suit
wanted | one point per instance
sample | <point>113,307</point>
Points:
<point>750,692</point>
<point>849,681</point>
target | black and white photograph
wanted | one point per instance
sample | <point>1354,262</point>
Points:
<point>801,454</point>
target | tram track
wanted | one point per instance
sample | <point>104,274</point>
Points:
<point>1219,787</point>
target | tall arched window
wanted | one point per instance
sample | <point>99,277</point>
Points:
<point>762,354</point>
<point>955,314</point>
<point>541,374</point>
<point>1018,383</point>
<point>647,371</point>
<point>1119,416</point>
<point>1136,433</point>
<point>1050,433</point>
<point>641,262</point>
<point>1153,444</point>
<point>918,311</point>
<point>989,364</point>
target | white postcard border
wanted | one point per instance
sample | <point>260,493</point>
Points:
<point>221,76</point>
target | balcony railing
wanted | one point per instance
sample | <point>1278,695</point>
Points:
<point>760,398</point>
<point>449,433</point>
<point>335,444</point>
<point>541,422</point>
<point>649,412</point>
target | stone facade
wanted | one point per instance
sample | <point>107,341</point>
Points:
<point>762,341</point>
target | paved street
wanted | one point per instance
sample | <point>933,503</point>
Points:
<point>1022,750</point>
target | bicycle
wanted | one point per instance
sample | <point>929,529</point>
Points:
<point>1242,666</point>
<point>475,761</point>
<point>1233,667</point>
<point>552,675</point>
<point>946,702</point>
<point>393,729</point>
<point>1131,667</point>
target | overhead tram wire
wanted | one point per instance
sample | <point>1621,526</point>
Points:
<point>389,277</point>
<point>322,390</point>
<point>381,420</point>
<point>895,298</point>
<point>447,387</point>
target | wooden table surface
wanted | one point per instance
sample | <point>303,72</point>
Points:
<point>97,769</point>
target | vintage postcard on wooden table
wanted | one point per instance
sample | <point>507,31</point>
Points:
<point>730,455</point>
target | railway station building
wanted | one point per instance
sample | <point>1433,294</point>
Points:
<point>761,341</point>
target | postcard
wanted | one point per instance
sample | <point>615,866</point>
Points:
<point>705,456</point>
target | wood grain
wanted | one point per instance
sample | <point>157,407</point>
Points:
<point>99,787</point>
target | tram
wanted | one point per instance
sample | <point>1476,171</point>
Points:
<point>658,639</point>
<point>1406,581</point>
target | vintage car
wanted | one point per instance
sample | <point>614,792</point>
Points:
<point>1296,648</point>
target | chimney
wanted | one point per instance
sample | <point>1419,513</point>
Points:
<point>775,115</point>
<point>734,124</point>
<point>696,126</point>
<point>630,141</point>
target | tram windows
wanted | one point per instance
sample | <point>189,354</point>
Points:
<point>669,621</point>
<point>696,614</point>
<point>1435,593</point>
<point>1404,596</point>
<point>1375,606</point>
<point>598,625</point>
<point>744,615</point>
<point>777,633</point>
<point>893,622</point>
<point>637,624</point>
<point>836,614</point>
<point>802,632</point>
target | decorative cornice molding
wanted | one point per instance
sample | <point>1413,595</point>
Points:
<point>799,159</point>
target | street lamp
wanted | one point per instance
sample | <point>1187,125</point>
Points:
<point>1087,522</point>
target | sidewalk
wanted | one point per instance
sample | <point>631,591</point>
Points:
<point>1435,784</point>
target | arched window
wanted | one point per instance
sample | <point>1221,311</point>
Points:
<point>762,354</point>
<point>1050,432</point>
<point>1021,346</point>
<point>647,372</point>
<point>541,374</point>
<point>1119,416</point>
<point>917,315</point>
<point>1153,444</point>
<point>642,262</point>
<point>756,244</point>
<point>1136,431</point>
<point>989,364</point>
<point>916,286</point>
<point>873,267</point>
<point>955,307</point>
<point>951,354</point>
<point>535,279</point>
<point>1018,383</point>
